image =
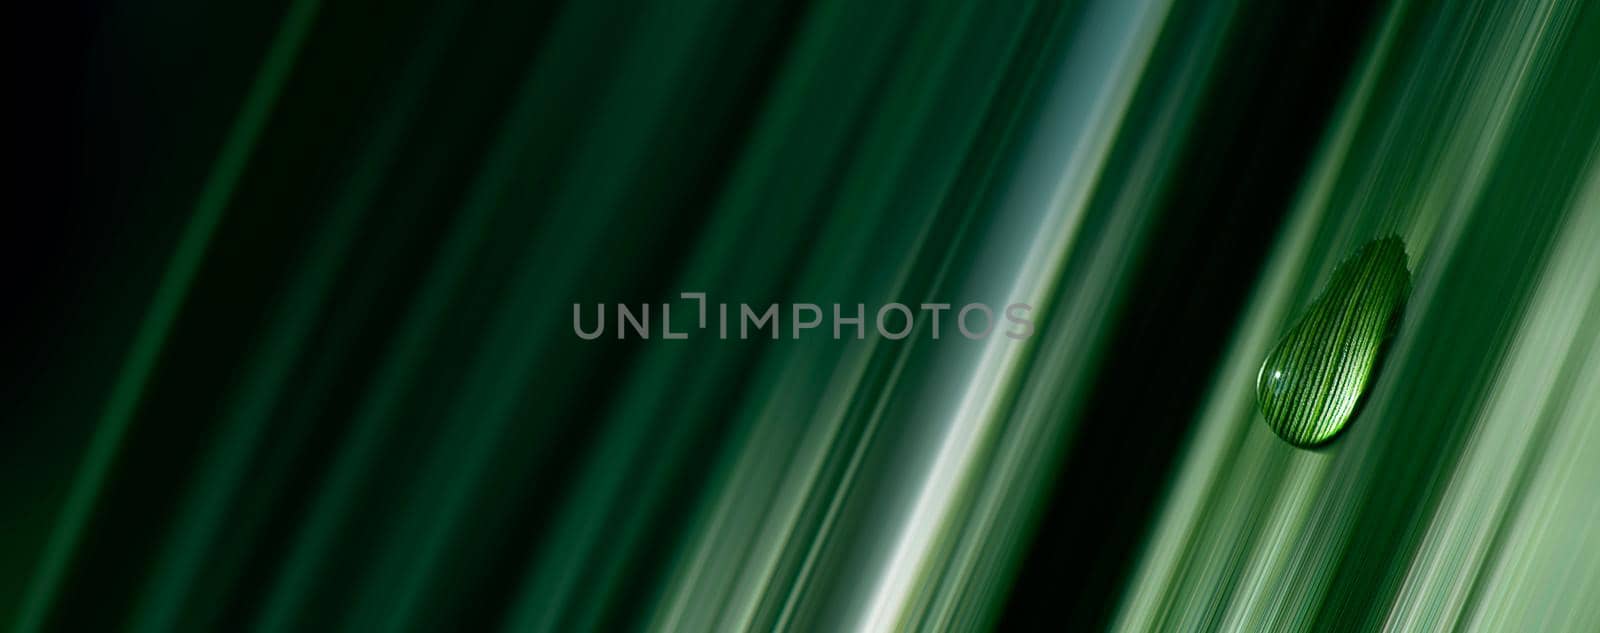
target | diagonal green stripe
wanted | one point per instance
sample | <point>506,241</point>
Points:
<point>157,323</point>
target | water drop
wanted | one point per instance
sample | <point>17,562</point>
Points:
<point>1311,382</point>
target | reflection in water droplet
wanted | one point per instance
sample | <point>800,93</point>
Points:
<point>1311,382</point>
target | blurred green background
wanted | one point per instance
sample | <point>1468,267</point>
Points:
<point>288,343</point>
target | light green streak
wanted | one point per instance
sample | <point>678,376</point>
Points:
<point>1526,408</point>
<point>1124,37</point>
<point>1251,537</point>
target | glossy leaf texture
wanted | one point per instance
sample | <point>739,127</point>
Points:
<point>1309,385</point>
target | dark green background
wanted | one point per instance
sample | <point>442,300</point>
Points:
<point>288,341</point>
